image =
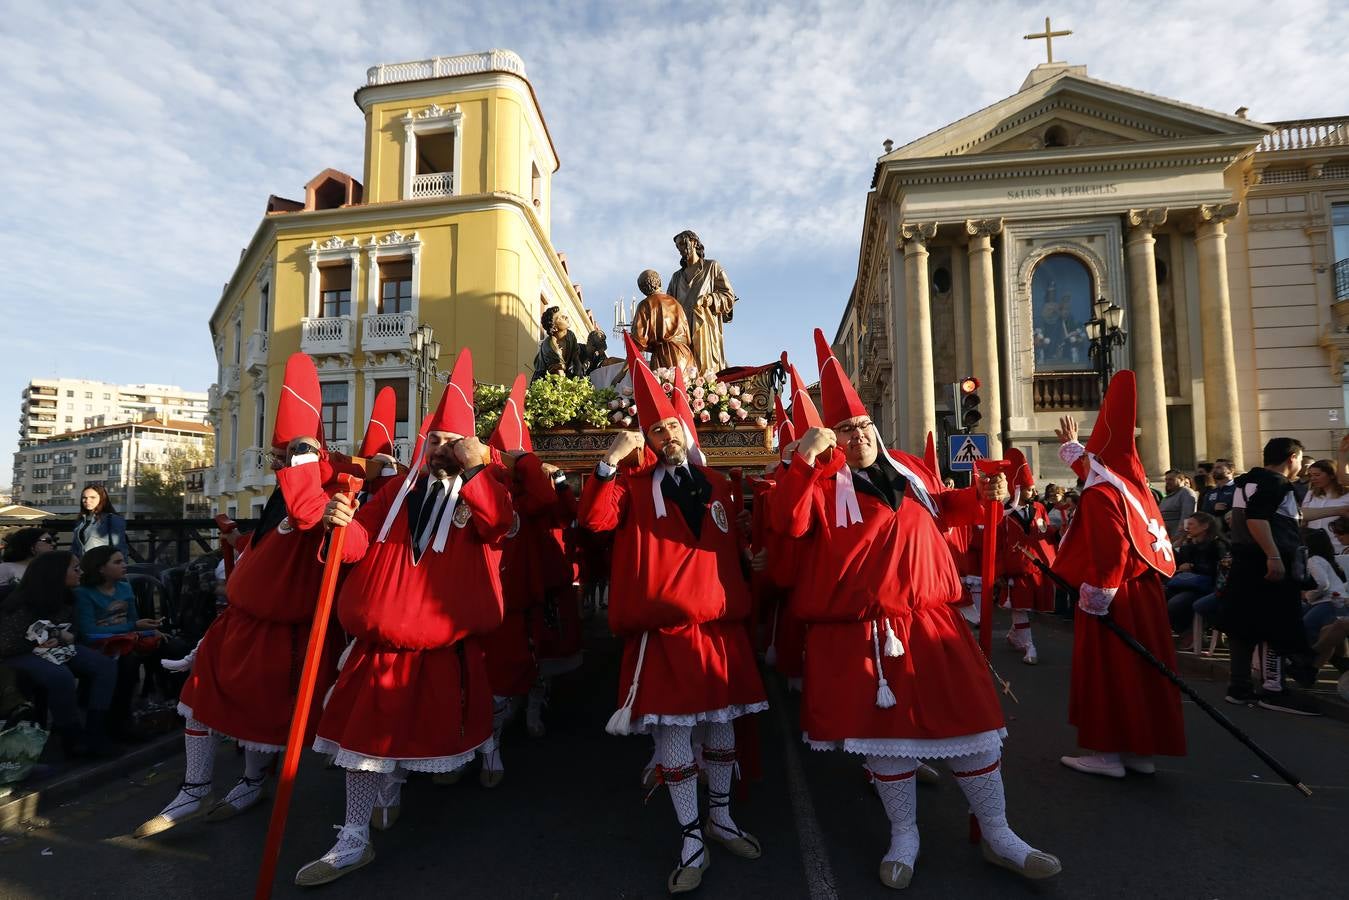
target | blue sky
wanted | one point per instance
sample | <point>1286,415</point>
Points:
<point>144,138</point>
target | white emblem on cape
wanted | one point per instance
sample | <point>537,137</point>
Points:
<point>461,515</point>
<point>719,516</point>
<point>515,524</point>
<point>284,526</point>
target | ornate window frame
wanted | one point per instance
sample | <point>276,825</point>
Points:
<point>332,250</point>
<point>433,119</point>
<point>395,244</point>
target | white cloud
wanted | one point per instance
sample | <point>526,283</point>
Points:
<point>145,136</point>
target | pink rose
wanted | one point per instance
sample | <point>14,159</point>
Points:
<point>698,404</point>
<point>761,422</point>
<point>747,399</point>
<point>615,403</point>
<point>627,391</point>
<point>734,403</point>
<point>699,392</point>
<point>632,410</point>
<point>735,390</point>
<point>723,389</point>
<point>669,388</point>
<point>616,417</point>
<point>723,417</point>
<point>741,414</point>
<point>626,421</point>
<point>704,416</point>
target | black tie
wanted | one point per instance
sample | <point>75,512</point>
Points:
<point>881,482</point>
<point>680,487</point>
<point>428,504</point>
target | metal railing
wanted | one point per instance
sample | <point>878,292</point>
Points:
<point>1341,271</point>
<point>433,184</point>
<point>1056,391</point>
<point>1306,134</point>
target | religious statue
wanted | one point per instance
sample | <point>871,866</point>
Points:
<point>660,326</point>
<point>560,352</point>
<point>702,288</point>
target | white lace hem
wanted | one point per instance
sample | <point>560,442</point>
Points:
<point>359,762</point>
<point>725,714</point>
<point>1096,600</point>
<point>1071,452</point>
<point>186,712</point>
<point>916,748</point>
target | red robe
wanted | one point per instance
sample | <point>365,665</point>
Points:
<point>248,665</point>
<point>893,567</point>
<point>1028,586</point>
<point>686,594</point>
<point>1118,702</point>
<point>785,638</point>
<point>414,686</point>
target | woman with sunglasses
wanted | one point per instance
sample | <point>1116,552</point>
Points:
<point>21,548</point>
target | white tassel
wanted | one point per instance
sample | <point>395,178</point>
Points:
<point>620,722</point>
<point>885,698</point>
<point>893,647</point>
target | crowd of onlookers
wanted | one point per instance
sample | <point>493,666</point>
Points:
<point>78,654</point>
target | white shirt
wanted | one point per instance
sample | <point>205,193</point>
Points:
<point>429,529</point>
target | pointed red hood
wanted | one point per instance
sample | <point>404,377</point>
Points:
<point>511,432</point>
<point>1019,475</point>
<point>837,394</point>
<point>782,426</point>
<point>804,414</point>
<point>1112,437</point>
<point>930,454</point>
<point>455,412</point>
<point>680,400</point>
<point>383,420</point>
<point>652,403</point>
<point>298,411</point>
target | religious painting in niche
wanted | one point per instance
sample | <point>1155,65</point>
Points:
<point>1061,292</point>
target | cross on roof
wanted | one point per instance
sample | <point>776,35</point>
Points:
<point>1048,34</point>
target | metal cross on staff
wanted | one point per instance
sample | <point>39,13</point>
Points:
<point>1048,34</point>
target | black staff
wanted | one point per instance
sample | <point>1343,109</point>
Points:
<point>1179,682</point>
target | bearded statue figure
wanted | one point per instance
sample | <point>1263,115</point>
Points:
<point>705,293</point>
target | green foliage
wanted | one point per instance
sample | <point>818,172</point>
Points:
<point>553,401</point>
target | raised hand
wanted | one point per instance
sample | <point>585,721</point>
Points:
<point>624,444</point>
<point>1067,430</point>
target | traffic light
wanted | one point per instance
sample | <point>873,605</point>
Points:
<point>970,416</point>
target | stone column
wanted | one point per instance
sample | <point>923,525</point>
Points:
<point>922,409</point>
<point>1222,415</point>
<point>984,326</point>
<point>1154,445</point>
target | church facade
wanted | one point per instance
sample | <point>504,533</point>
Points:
<point>987,245</point>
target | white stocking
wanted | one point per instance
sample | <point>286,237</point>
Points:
<point>1020,634</point>
<point>894,779</point>
<point>199,746</point>
<point>491,752</point>
<point>674,749</point>
<point>354,836</point>
<point>247,789</point>
<point>390,790</point>
<point>980,777</point>
<point>719,759</point>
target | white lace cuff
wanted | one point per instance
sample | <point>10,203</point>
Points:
<point>1071,452</point>
<point>1095,600</point>
<point>604,470</point>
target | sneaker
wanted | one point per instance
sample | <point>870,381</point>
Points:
<point>1240,696</point>
<point>1287,702</point>
<point>1095,764</point>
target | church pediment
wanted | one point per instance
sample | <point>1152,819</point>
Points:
<point>1070,109</point>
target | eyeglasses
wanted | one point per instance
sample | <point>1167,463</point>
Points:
<point>46,539</point>
<point>849,430</point>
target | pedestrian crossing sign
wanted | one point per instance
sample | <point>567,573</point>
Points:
<point>965,449</point>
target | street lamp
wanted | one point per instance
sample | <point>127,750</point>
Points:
<point>1105,332</point>
<point>425,353</point>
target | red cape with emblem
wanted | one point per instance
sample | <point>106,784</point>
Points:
<point>1118,702</point>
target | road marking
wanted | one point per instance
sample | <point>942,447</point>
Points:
<point>814,857</point>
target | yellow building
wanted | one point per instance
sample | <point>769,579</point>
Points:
<point>449,228</point>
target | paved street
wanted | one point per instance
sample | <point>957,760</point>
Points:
<point>569,821</point>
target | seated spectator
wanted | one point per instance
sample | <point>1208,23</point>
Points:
<point>1197,558</point>
<point>1324,490</point>
<point>108,620</point>
<point>1326,601</point>
<point>21,548</point>
<point>1178,504</point>
<point>36,638</point>
<point>98,525</point>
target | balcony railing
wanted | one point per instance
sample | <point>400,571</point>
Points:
<point>229,379</point>
<point>255,358</point>
<point>328,334</point>
<point>433,184</point>
<point>446,67</point>
<point>1342,280</point>
<point>1067,391</point>
<point>387,331</point>
<point>1306,134</point>
<point>255,467</point>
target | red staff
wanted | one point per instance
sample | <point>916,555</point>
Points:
<point>992,519</point>
<point>304,699</point>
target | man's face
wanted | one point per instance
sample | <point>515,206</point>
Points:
<point>440,459</point>
<point>857,437</point>
<point>1295,461</point>
<point>561,324</point>
<point>688,250</point>
<point>300,446</point>
<point>1172,482</point>
<point>1221,472</point>
<point>1026,493</point>
<point>666,437</point>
